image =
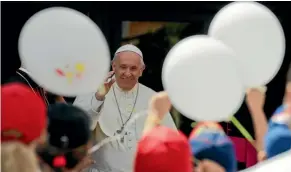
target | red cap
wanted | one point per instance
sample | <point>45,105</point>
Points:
<point>23,113</point>
<point>163,149</point>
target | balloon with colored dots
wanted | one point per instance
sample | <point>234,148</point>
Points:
<point>65,51</point>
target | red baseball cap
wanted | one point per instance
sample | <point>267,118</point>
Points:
<point>163,150</point>
<point>23,113</point>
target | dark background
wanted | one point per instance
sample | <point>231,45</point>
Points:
<point>109,16</point>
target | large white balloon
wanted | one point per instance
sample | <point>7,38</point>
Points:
<point>256,34</point>
<point>64,51</point>
<point>201,77</point>
<point>279,163</point>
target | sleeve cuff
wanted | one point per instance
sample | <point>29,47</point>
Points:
<point>96,104</point>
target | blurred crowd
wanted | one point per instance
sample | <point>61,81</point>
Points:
<point>125,126</point>
<point>41,135</point>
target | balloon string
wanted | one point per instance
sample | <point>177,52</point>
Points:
<point>118,136</point>
<point>103,142</point>
<point>236,123</point>
<point>242,129</point>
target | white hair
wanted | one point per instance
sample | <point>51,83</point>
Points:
<point>141,59</point>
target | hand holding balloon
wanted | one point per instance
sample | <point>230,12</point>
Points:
<point>159,106</point>
<point>255,101</point>
<point>287,96</point>
<point>256,98</point>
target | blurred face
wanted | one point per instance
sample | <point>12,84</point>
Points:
<point>128,68</point>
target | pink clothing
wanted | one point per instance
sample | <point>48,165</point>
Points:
<point>245,152</point>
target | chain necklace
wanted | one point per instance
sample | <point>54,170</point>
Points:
<point>120,114</point>
<point>41,92</point>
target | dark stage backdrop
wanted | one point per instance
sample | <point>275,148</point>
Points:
<point>109,15</point>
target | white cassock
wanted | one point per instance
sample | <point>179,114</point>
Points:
<point>109,116</point>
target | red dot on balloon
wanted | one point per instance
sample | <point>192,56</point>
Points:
<point>60,72</point>
<point>79,75</point>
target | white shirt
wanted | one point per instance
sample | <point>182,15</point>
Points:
<point>110,121</point>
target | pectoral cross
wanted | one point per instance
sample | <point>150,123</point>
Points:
<point>119,132</point>
<point>122,139</point>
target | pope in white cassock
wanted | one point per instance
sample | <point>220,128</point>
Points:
<point>114,104</point>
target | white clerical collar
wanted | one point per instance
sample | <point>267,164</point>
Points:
<point>132,91</point>
<point>24,70</point>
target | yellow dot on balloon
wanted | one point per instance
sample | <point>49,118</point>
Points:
<point>69,75</point>
<point>80,67</point>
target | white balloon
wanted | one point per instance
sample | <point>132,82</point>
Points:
<point>279,163</point>
<point>256,34</point>
<point>201,77</point>
<point>65,51</point>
